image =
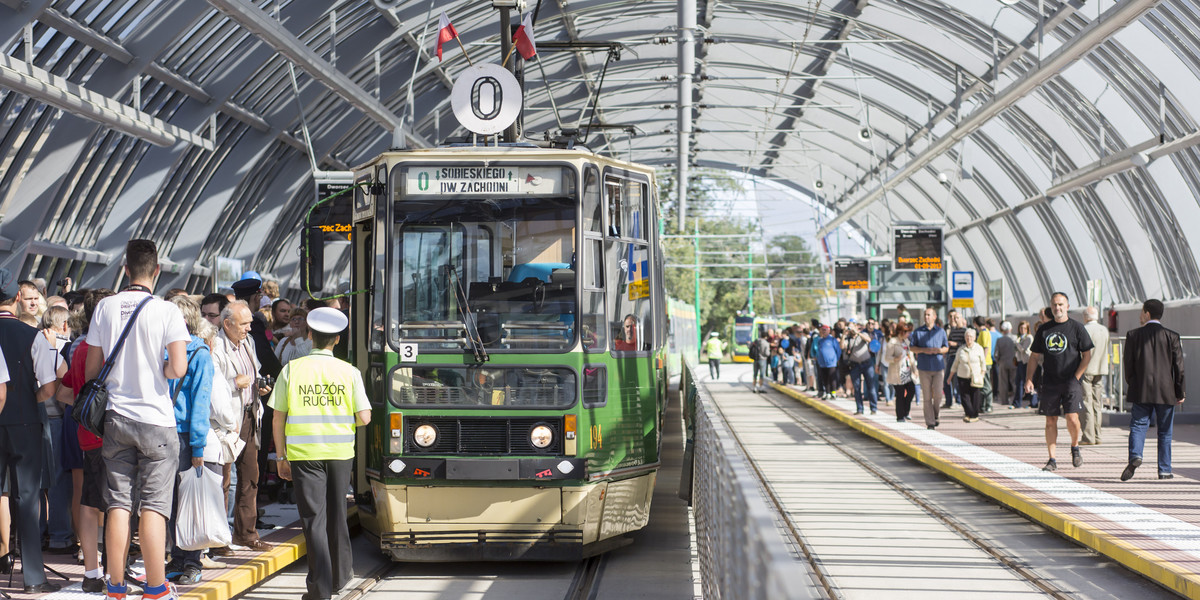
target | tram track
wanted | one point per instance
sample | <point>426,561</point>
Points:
<point>586,582</point>
<point>827,582</point>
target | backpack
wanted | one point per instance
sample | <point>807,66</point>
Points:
<point>858,352</point>
<point>759,349</point>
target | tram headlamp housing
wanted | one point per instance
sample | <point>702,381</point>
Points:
<point>425,435</point>
<point>541,436</point>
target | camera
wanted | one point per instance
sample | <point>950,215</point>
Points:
<point>265,381</point>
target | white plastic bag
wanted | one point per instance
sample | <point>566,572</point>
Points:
<point>201,520</point>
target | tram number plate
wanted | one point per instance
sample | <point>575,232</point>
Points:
<point>408,352</point>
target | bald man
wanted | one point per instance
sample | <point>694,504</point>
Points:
<point>1093,379</point>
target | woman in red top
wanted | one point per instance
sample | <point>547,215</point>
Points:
<point>88,501</point>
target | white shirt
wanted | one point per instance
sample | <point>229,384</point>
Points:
<point>137,387</point>
<point>3,369</point>
<point>44,360</point>
<point>291,348</point>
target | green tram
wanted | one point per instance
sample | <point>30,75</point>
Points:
<point>511,328</point>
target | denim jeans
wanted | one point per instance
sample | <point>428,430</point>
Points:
<point>1164,420</point>
<point>863,376</point>
<point>889,393</point>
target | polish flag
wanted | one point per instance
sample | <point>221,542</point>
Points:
<point>446,32</point>
<point>524,38</point>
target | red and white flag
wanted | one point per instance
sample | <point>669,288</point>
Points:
<point>524,38</point>
<point>446,32</point>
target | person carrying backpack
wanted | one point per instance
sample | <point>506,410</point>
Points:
<point>760,353</point>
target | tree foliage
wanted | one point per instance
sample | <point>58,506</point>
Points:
<point>710,215</point>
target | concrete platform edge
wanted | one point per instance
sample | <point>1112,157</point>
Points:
<point>1164,572</point>
<point>245,576</point>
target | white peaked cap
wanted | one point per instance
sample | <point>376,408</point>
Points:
<point>327,320</point>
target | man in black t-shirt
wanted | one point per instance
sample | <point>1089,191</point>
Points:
<point>1063,348</point>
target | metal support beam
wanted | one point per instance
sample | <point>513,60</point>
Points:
<point>43,86</point>
<point>687,65</point>
<point>272,33</point>
<point>1138,155</point>
<point>1088,39</point>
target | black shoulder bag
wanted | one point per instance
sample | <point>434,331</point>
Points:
<point>92,401</point>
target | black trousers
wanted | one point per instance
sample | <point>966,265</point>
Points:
<point>904,397</point>
<point>21,461</point>
<point>971,397</point>
<point>320,487</point>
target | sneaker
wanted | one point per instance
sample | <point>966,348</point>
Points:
<point>208,563</point>
<point>169,593</point>
<point>1127,474</point>
<point>173,570</point>
<point>1051,465</point>
<point>44,587</point>
<point>872,412</point>
<point>1076,457</point>
<point>93,585</point>
<point>190,576</point>
<point>1166,476</point>
<point>966,419</point>
<point>113,592</point>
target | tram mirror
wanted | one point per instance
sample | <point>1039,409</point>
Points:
<point>312,260</point>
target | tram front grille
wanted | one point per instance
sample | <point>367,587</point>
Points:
<point>483,436</point>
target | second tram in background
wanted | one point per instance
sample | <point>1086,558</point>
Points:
<point>512,330</point>
<point>748,328</point>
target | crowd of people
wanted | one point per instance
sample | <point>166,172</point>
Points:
<point>1056,365</point>
<point>189,379</point>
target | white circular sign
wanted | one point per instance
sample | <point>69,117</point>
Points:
<point>486,98</point>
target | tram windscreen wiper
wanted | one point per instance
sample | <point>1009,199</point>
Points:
<point>468,316</point>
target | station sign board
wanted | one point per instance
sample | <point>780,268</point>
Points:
<point>460,180</point>
<point>917,248</point>
<point>962,289</point>
<point>851,274</point>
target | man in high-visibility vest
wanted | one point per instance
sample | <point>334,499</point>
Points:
<point>715,349</point>
<point>318,401</point>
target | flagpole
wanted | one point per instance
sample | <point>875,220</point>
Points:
<point>508,56</point>
<point>464,49</point>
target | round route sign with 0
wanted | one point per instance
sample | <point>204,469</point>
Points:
<point>486,99</point>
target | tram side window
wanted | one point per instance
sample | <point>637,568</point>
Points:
<point>629,296</point>
<point>594,332</point>
<point>593,210</point>
<point>612,199</point>
<point>633,200</point>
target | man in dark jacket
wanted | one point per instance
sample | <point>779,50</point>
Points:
<point>31,380</point>
<point>1154,374</point>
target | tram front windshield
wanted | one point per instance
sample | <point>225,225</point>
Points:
<point>508,263</point>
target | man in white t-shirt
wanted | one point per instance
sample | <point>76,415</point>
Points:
<point>140,441</point>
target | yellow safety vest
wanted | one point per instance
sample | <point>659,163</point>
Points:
<point>320,408</point>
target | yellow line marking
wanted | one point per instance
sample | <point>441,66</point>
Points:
<point>1163,571</point>
<point>245,576</point>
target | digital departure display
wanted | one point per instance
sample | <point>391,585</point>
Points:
<point>917,249</point>
<point>851,274</point>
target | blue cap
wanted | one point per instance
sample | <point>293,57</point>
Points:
<point>251,275</point>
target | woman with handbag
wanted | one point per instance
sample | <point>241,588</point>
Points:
<point>901,366</point>
<point>968,368</point>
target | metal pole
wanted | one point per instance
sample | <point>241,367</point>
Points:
<point>750,275</point>
<point>510,132</point>
<point>696,300</point>
<point>687,59</point>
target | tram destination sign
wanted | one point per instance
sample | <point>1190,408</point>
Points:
<point>851,274</point>
<point>916,248</point>
<point>483,180</point>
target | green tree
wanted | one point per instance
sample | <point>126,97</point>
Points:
<point>719,301</point>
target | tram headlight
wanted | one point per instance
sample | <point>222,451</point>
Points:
<point>541,436</point>
<point>425,435</point>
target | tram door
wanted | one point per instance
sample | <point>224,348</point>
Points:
<point>367,350</point>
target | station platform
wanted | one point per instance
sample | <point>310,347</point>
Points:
<point>240,571</point>
<point>1150,526</point>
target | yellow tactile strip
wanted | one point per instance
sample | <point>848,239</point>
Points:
<point>1166,573</point>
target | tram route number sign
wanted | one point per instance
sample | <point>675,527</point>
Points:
<point>407,352</point>
<point>480,180</point>
<point>851,274</point>
<point>486,98</point>
<point>917,249</point>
